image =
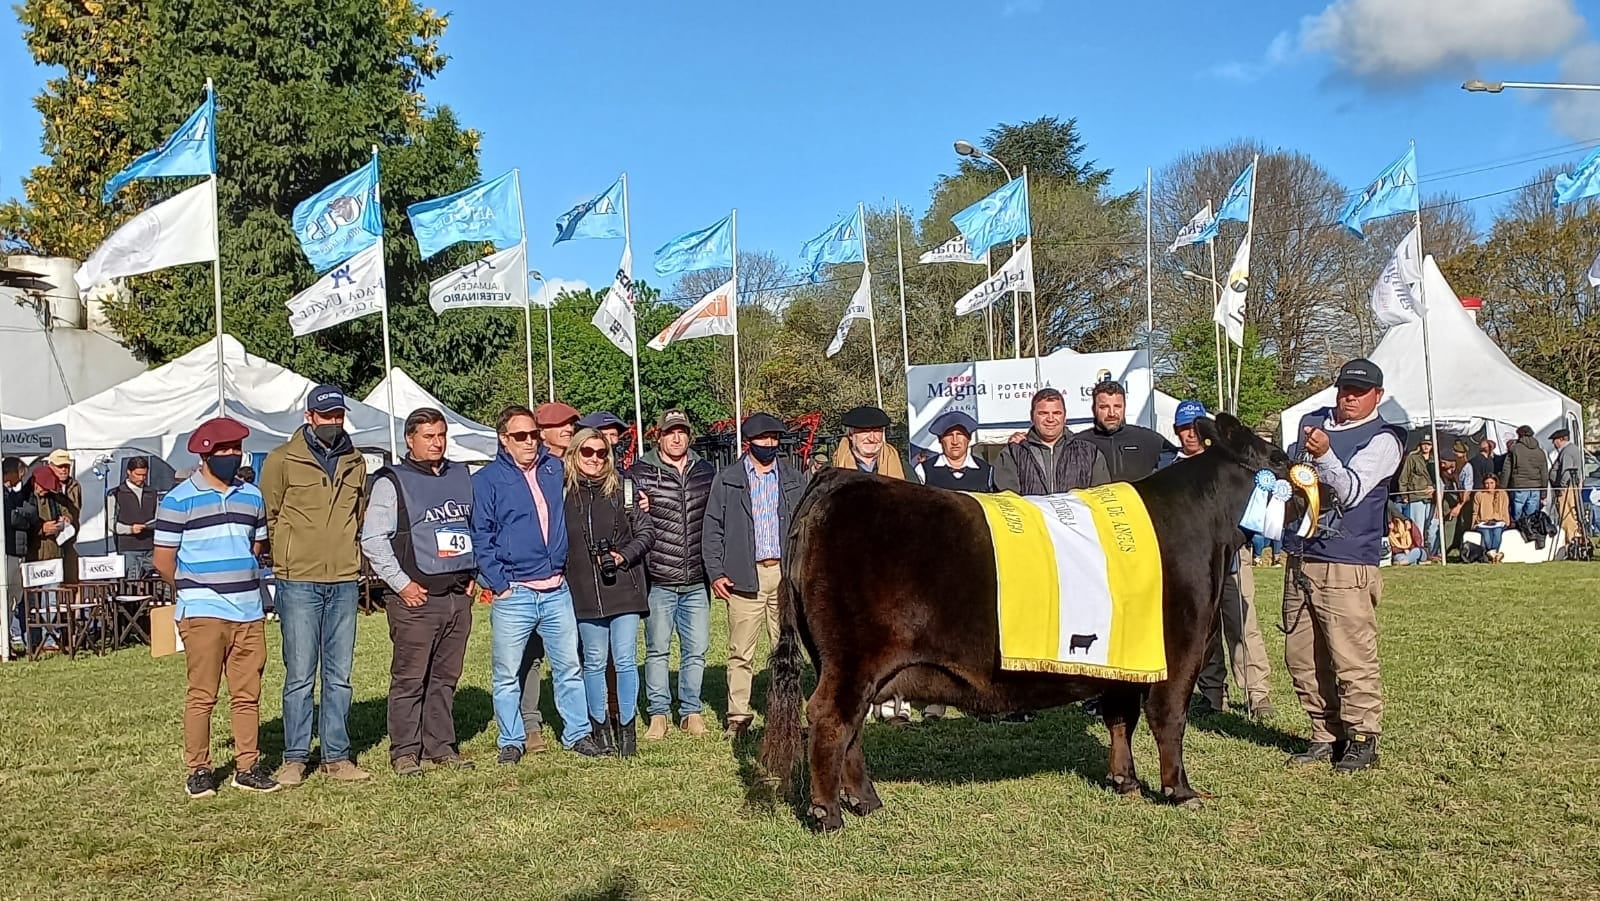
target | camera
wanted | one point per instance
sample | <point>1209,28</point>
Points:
<point>608,566</point>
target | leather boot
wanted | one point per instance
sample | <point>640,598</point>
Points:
<point>658,728</point>
<point>1359,754</point>
<point>628,737</point>
<point>601,733</point>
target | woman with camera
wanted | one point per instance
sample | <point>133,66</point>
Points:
<point>609,538</point>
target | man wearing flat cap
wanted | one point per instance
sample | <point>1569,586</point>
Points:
<point>208,534</point>
<point>864,448</point>
<point>751,505</point>
<point>956,469</point>
<point>1331,586</point>
<point>1566,480</point>
<point>557,423</point>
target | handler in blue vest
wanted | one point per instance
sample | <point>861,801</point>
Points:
<point>417,535</point>
<point>1331,586</point>
<point>956,469</point>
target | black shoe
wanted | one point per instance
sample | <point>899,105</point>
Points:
<point>510,755</point>
<point>1360,753</point>
<point>201,784</point>
<point>1317,752</point>
<point>1016,719</point>
<point>255,779</point>
<point>588,747</point>
<point>628,737</point>
<point>601,734</point>
<point>1091,707</point>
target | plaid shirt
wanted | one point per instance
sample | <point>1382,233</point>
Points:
<point>764,511</point>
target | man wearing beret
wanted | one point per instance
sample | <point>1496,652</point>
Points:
<point>864,448</point>
<point>1566,478</point>
<point>207,535</point>
<point>557,423</point>
<point>956,469</point>
<point>751,505</point>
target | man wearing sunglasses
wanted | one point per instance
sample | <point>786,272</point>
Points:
<point>519,538</point>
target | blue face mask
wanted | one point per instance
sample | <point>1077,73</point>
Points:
<point>224,466</point>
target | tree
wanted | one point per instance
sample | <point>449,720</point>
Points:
<point>1195,350</point>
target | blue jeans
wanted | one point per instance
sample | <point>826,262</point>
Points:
<point>513,619</point>
<point>1413,556</point>
<point>1491,536</point>
<point>1258,543</point>
<point>686,610</point>
<point>1421,513</point>
<point>318,620</point>
<point>620,636</point>
<point>1525,501</point>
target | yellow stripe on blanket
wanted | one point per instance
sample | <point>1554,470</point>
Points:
<point>1079,583</point>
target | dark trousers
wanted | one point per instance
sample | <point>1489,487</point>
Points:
<point>430,645</point>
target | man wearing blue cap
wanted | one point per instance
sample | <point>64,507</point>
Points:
<point>315,487</point>
<point>1237,625</point>
<point>956,469</point>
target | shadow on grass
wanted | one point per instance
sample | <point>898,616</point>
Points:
<point>617,886</point>
<point>1232,725</point>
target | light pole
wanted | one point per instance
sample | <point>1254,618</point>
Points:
<point>967,149</point>
<point>1477,86</point>
<point>549,342</point>
<point>1195,276</point>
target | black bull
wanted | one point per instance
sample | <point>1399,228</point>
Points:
<point>891,595</point>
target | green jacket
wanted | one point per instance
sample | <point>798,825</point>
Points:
<point>314,522</point>
<point>1416,478</point>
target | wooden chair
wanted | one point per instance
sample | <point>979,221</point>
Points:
<point>63,616</point>
<point>128,607</point>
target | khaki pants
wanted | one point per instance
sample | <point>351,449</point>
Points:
<point>213,647</point>
<point>1567,511</point>
<point>1237,626</point>
<point>745,615</point>
<point>1331,648</point>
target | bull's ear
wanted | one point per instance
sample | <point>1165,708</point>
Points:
<point>1206,428</point>
<point>1233,435</point>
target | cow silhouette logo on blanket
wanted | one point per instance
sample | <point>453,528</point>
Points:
<point>851,585</point>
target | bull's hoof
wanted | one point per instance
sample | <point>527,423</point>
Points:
<point>1185,798</point>
<point>863,806</point>
<point>1124,785</point>
<point>824,820</point>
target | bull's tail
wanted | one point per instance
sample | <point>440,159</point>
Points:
<point>781,739</point>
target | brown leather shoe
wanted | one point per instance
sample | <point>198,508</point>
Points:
<point>738,727</point>
<point>345,771</point>
<point>290,774</point>
<point>695,724</point>
<point>536,743</point>
<point>658,727</point>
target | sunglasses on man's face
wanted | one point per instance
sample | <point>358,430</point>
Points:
<point>592,451</point>
<point>522,437</point>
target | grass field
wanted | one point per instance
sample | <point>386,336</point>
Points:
<point>1489,787</point>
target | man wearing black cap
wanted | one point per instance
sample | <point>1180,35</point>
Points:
<point>1332,586</point>
<point>315,488</point>
<point>956,469</point>
<point>751,504</point>
<point>1566,478</point>
<point>864,448</point>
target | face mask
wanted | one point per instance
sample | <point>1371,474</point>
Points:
<point>764,454</point>
<point>327,433</point>
<point>224,466</point>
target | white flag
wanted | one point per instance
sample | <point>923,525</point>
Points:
<point>615,316</point>
<point>1397,294</point>
<point>1015,275</point>
<point>710,315</point>
<point>1594,272</point>
<point>955,250</point>
<point>1194,231</point>
<point>171,233</point>
<point>349,291</point>
<point>860,307</point>
<point>1229,312</point>
<point>498,280</point>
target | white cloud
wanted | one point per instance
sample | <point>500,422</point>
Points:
<point>553,288</point>
<point>1279,52</point>
<point>1577,113</point>
<point>1403,40</point>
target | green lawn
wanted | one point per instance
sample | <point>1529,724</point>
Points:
<point>1489,787</point>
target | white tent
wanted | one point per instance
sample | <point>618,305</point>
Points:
<point>154,413</point>
<point>469,441</point>
<point>1475,386</point>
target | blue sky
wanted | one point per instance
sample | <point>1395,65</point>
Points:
<point>793,113</point>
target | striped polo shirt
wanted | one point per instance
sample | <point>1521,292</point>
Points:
<point>213,531</point>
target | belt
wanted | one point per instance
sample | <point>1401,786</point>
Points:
<point>770,561</point>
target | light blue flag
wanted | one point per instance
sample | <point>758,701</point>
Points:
<point>1581,182</point>
<point>708,248</point>
<point>341,220</point>
<point>488,211</point>
<point>841,243</point>
<point>1395,191</point>
<point>191,150</point>
<point>598,217</point>
<point>1235,206</point>
<point>996,219</point>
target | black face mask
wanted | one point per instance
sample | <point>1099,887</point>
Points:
<point>764,454</point>
<point>328,432</point>
<point>224,466</point>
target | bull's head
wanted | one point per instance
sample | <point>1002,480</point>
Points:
<point>1229,437</point>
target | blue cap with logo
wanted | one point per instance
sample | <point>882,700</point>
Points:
<point>1188,412</point>
<point>326,399</point>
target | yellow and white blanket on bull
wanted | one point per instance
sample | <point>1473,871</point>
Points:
<point>1079,583</point>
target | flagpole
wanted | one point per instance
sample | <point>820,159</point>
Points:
<point>872,317</point>
<point>733,313</point>
<point>549,349</point>
<point>1216,328</point>
<point>1427,368</point>
<point>638,406</point>
<point>1249,232</point>
<point>900,262</point>
<point>216,278</point>
<point>1033,294</point>
<point>388,361</point>
<point>527,286</point>
<point>988,311</point>
<point>1149,299</point>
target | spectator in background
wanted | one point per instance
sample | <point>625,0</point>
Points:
<point>1418,488</point>
<point>69,505</point>
<point>864,448</point>
<point>1484,462</point>
<point>315,487</point>
<point>1566,480</point>
<point>1405,541</point>
<point>135,504</point>
<point>247,476</point>
<point>53,534</point>
<point>1046,459</point>
<point>1491,513</point>
<point>1131,452</point>
<point>1526,473</point>
<point>1461,476</point>
<point>612,428</point>
<point>678,482</point>
<point>22,517</point>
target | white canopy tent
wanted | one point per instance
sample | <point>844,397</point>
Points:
<point>1475,385</point>
<point>470,442</point>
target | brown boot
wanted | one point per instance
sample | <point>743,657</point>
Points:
<point>658,728</point>
<point>345,771</point>
<point>695,724</point>
<point>291,774</point>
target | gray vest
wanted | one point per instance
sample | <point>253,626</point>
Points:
<point>1356,534</point>
<point>434,538</point>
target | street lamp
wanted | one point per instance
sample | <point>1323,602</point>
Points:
<point>1195,276</point>
<point>965,148</point>
<point>549,342</point>
<point>1477,86</point>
